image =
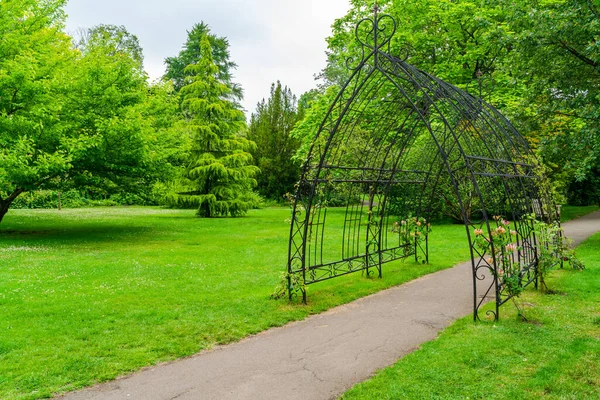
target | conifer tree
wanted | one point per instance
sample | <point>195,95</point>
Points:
<point>270,128</point>
<point>220,170</point>
<point>191,53</point>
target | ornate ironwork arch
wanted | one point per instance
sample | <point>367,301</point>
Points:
<point>395,141</point>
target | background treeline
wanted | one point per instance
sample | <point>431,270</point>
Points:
<point>80,118</point>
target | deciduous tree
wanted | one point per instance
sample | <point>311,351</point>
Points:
<point>34,55</point>
<point>73,117</point>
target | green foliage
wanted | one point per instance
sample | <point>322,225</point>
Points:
<point>412,231</point>
<point>270,129</point>
<point>219,173</point>
<point>120,40</point>
<point>315,109</point>
<point>105,104</point>
<point>553,249</point>
<point>34,58</point>
<point>500,248</point>
<point>565,99</point>
<point>49,199</point>
<point>587,191</point>
<point>75,118</point>
<point>451,39</point>
<point>79,198</point>
<point>419,226</point>
<point>293,284</point>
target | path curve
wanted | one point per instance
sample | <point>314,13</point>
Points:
<point>323,355</point>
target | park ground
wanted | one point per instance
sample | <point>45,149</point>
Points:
<point>89,295</point>
<point>555,355</point>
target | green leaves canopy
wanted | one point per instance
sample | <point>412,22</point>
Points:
<point>192,53</point>
<point>34,59</point>
<point>74,117</point>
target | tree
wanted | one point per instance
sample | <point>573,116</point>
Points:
<point>192,54</point>
<point>34,54</point>
<point>72,118</point>
<point>220,172</point>
<point>270,129</point>
<point>111,111</point>
<point>561,105</point>
<point>117,37</point>
<point>454,40</point>
<point>313,108</point>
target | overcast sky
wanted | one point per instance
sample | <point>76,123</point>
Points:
<point>269,39</point>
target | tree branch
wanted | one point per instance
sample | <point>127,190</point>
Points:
<point>12,196</point>
<point>577,54</point>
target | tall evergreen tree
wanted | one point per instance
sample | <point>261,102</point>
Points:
<point>220,169</point>
<point>192,53</point>
<point>270,128</point>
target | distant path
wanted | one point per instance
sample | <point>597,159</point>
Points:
<point>322,356</point>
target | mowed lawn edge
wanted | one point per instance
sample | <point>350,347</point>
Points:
<point>569,213</point>
<point>555,355</point>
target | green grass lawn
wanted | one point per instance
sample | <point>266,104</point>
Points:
<point>556,355</point>
<point>88,295</point>
<point>568,213</point>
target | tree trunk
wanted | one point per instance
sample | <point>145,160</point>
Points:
<point>5,203</point>
<point>3,209</point>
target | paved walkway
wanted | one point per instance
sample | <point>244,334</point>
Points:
<point>322,356</point>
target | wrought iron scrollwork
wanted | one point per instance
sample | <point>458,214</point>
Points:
<point>376,33</point>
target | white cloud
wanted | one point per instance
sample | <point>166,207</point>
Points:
<point>270,40</point>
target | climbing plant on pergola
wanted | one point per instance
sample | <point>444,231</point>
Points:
<point>394,140</point>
